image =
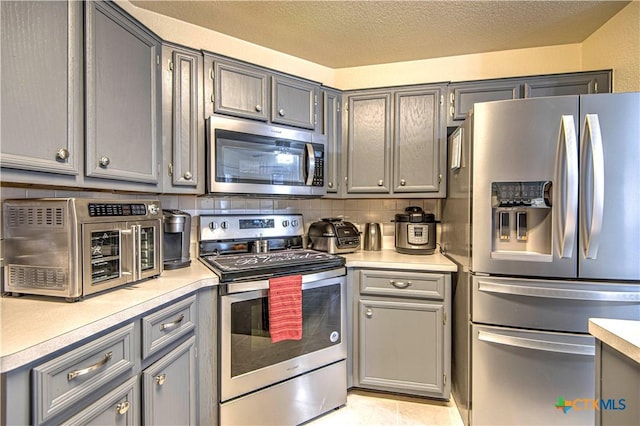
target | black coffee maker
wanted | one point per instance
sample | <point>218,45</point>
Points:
<point>177,238</point>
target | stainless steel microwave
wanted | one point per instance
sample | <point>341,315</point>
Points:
<point>245,157</point>
<point>74,247</point>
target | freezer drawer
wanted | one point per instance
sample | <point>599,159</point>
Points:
<point>551,305</point>
<point>519,375</point>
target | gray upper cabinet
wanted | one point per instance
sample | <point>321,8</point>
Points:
<point>182,120</point>
<point>122,96</point>
<point>462,96</point>
<point>238,89</point>
<point>572,84</point>
<point>395,142</point>
<point>369,142</point>
<point>294,102</point>
<point>42,104</point>
<point>332,129</point>
<point>417,140</point>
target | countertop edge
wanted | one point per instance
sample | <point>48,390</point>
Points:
<point>615,334</point>
<point>30,354</point>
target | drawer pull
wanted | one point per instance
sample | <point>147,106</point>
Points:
<point>161,378</point>
<point>95,366</point>
<point>400,284</point>
<point>122,408</point>
<point>172,324</point>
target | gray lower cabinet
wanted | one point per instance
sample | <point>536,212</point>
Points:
<point>402,337</point>
<point>42,89</point>
<point>169,387</point>
<point>395,142</point>
<point>122,79</point>
<point>182,120</point>
<point>145,371</point>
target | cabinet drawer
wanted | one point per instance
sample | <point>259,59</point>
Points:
<point>405,284</point>
<point>164,327</point>
<point>118,407</point>
<point>64,381</point>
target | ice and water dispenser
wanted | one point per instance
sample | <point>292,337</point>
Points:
<point>522,219</point>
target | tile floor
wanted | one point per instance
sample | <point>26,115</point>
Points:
<point>371,409</point>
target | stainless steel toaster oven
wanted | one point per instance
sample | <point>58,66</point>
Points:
<point>74,247</point>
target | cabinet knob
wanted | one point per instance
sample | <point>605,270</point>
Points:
<point>122,408</point>
<point>369,312</point>
<point>403,182</point>
<point>104,161</point>
<point>330,184</point>
<point>160,379</point>
<point>259,108</point>
<point>62,154</point>
<point>380,182</point>
<point>281,113</point>
<point>187,176</point>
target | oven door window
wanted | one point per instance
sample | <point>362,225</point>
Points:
<point>251,346</point>
<point>243,158</point>
<point>103,247</point>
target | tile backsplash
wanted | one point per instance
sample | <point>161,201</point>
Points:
<point>357,211</point>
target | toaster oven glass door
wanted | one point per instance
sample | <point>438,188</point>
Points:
<point>119,253</point>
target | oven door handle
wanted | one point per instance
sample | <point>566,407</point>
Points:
<point>308,281</point>
<point>311,163</point>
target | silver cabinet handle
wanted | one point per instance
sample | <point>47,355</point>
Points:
<point>369,312</point>
<point>172,324</point>
<point>104,161</point>
<point>187,176</point>
<point>91,368</point>
<point>403,182</point>
<point>62,154</point>
<point>281,113</point>
<point>259,108</point>
<point>400,284</point>
<point>122,408</point>
<point>330,184</point>
<point>380,182</point>
<point>160,379</point>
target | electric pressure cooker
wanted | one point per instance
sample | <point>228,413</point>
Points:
<point>415,231</point>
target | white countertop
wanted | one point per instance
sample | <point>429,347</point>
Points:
<point>33,326</point>
<point>622,335</point>
<point>391,259</point>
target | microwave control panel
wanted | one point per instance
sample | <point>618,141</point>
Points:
<point>318,174</point>
<point>120,209</point>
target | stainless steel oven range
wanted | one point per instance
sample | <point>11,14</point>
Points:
<point>289,381</point>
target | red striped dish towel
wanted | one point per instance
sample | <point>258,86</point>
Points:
<point>285,308</point>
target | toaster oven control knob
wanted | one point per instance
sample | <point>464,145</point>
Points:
<point>153,209</point>
<point>295,223</point>
<point>285,223</point>
<point>213,225</point>
<point>224,225</point>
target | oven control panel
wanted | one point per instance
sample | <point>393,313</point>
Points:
<point>225,227</point>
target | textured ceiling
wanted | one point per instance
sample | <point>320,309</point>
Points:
<point>341,34</point>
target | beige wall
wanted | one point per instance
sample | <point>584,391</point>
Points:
<point>617,45</point>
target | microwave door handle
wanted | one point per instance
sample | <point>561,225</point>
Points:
<point>132,271</point>
<point>137,255</point>
<point>592,159</point>
<point>567,182</point>
<point>311,163</point>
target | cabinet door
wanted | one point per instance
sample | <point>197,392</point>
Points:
<point>401,346</point>
<point>572,84</point>
<point>462,96</point>
<point>122,62</point>
<point>240,90</point>
<point>41,102</point>
<point>169,388</point>
<point>417,141</point>
<point>294,102</point>
<point>182,119</point>
<point>369,143</point>
<point>333,131</point>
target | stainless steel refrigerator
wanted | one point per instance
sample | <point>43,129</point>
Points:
<point>543,219</point>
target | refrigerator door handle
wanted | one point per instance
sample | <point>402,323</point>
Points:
<point>538,345</point>
<point>566,172</point>
<point>592,203</point>
<point>559,293</point>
